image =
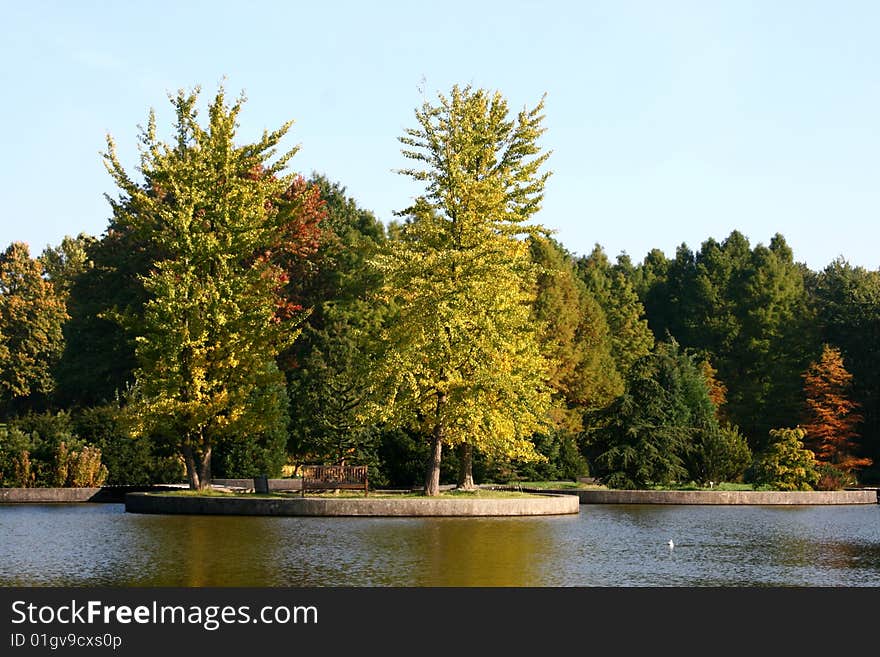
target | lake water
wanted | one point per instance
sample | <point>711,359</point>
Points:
<point>604,545</point>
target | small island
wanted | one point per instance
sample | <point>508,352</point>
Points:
<point>237,320</point>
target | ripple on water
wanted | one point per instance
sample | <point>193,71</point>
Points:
<point>604,545</point>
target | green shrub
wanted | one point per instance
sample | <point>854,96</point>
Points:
<point>39,450</point>
<point>785,464</point>
<point>130,460</point>
<point>830,478</point>
<point>719,454</point>
<point>564,461</point>
<point>52,427</point>
<point>85,468</point>
<point>243,457</point>
<point>22,475</point>
<point>15,462</point>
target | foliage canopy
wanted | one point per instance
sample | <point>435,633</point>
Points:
<point>219,217</point>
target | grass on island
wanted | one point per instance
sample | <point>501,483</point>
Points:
<point>689,485</point>
<point>723,486</point>
<point>210,492</point>
<point>482,493</point>
<point>577,485</point>
<point>552,485</point>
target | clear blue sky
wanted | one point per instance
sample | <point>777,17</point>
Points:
<point>669,121</point>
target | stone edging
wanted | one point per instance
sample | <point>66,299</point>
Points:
<point>117,494</point>
<point>48,495</point>
<point>539,505</point>
<point>104,494</point>
<point>867,496</point>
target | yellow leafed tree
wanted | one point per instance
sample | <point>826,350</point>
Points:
<point>462,362</point>
<point>219,215</point>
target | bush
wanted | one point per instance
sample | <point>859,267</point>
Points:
<point>130,460</point>
<point>45,433</point>
<point>28,460</point>
<point>403,459</point>
<point>244,457</point>
<point>785,464</point>
<point>52,427</point>
<point>22,475</point>
<point>830,478</point>
<point>62,465</point>
<point>720,454</point>
<point>15,462</point>
<point>564,461</point>
<point>80,469</point>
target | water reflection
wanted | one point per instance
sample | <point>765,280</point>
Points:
<point>491,552</point>
<point>199,550</point>
<point>603,546</point>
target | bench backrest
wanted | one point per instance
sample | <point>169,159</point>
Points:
<point>334,476</point>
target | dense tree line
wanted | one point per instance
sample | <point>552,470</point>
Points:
<point>234,319</point>
<point>763,320</point>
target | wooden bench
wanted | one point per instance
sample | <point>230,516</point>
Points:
<point>334,477</point>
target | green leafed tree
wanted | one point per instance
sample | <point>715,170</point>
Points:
<point>630,336</point>
<point>462,363</point>
<point>216,215</point>
<point>576,337</point>
<point>32,313</point>
<point>718,454</point>
<point>778,337</point>
<point>328,389</point>
<point>655,431</point>
<point>745,309</point>
<point>328,366</point>
<point>64,263</point>
<point>98,362</point>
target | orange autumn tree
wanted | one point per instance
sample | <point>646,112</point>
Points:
<point>717,390</point>
<point>831,416</point>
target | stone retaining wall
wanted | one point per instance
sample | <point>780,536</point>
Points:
<point>539,505</point>
<point>117,494</point>
<point>104,494</point>
<point>867,496</point>
<point>44,495</point>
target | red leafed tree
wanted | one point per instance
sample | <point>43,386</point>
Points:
<point>304,209</point>
<point>831,416</point>
<point>295,254</point>
<point>294,251</point>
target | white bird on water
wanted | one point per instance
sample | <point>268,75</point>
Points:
<point>671,544</point>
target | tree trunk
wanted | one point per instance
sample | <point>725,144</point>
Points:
<point>205,469</point>
<point>432,476</point>
<point>466,467</point>
<point>192,472</point>
<point>198,467</point>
